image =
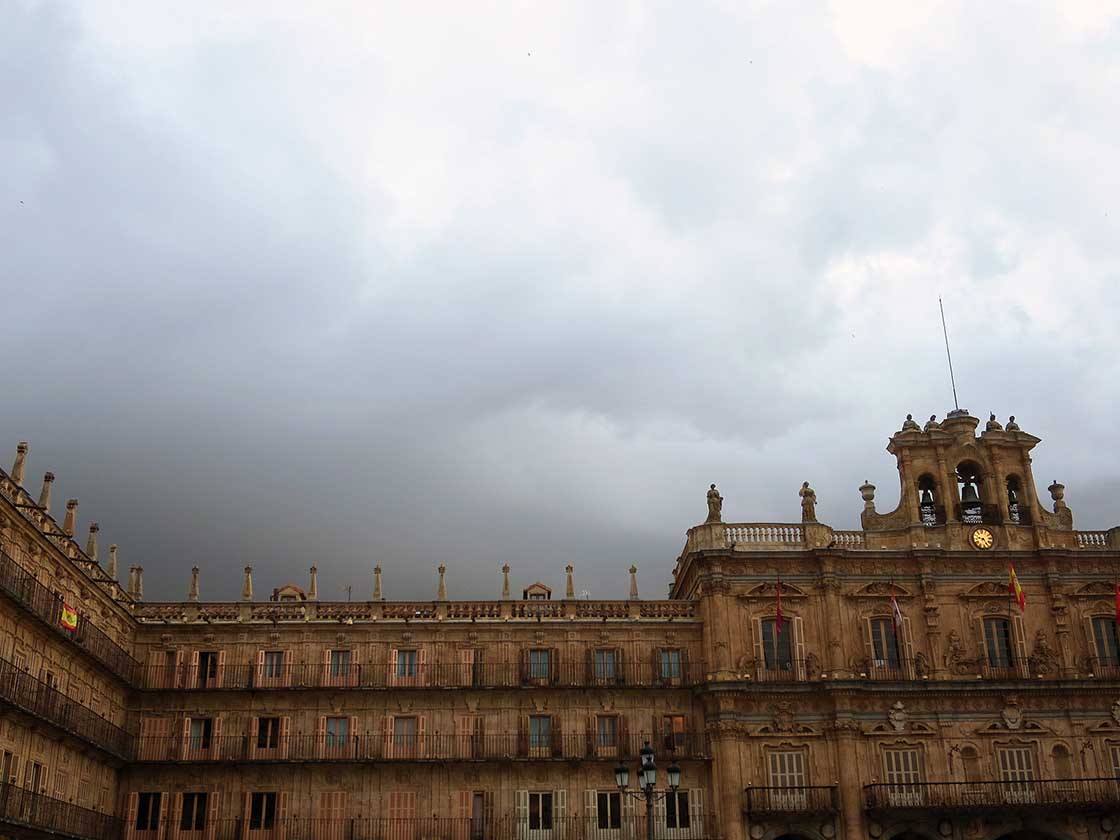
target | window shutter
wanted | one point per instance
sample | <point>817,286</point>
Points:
<point>696,811</point>
<point>352,733</point>
<point>466,666</point>
<point>590,740</point>
<point>281,830</point>
<point>590,811</point>
<point>557,736</point>
<point>422,665</point>
<point>554,665</point>
<point>981,640</point>
<point>392,666</point>
<point>220,676</point>
<point>623,736</point>
<point>387,736</point>
<point>246,812</point>
<point>589,672</point>
<point>421,740</point>
<point>559,811</point>
<point>759,653</point>
<point>176,679</point>
<point>321,736</point>
<point>213,798</point>
<point>620,667</point>
<point>660,818</point>
<point>463,814</point>
<point>907,649</point>
<point>216,751</point>
<point>326,678</point>
<point>286,667</point>
<point>1091,644</point>
<point>522,800</point>
<point>1020,646</point>
<point>192,671</point>
<point>522,735</point>
<point>161,825</point>
<point>685,677</point>
<point>868,646</point>
<point>176,814</point>
<point>798,628</point>
<point>185,738</point>
<point>285,725</point>
<point>465,731</point>
<point>655,675</point>
<point>260,672</point>
<point>130,815</point>
<point>523,665</point>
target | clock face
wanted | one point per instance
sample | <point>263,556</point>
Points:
<point>983,538</point>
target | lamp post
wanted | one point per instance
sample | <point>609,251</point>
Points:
<point>647,779</point>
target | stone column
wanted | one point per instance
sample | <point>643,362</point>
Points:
<point>570,588</point>
<point>849,784</point>
<point>834,655</point>
<point>20,463</point>
<point>247,587</point>
<point>45,493</point>
<point>505,582</point>
<point>91,542</point>
<point>138,583</point>
<point>71,515</point>
<point>633,583</point>
<point>441,590</point>
<point>112,570</point>
<point>313,585</point>
<point>192,595</point>
<point>728,782</point>
<point>377,596</point>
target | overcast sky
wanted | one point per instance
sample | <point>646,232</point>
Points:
<point>477,283</point>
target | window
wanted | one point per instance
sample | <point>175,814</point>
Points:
<point>404,734</point>
<point>262,810</point>
<point>407,663</point>
<point>338,731</point>
<point>147,811</point>
<point>927,503</point>
<point>193,817</point>
<point>340,663</point>
<point>997,638</point>
<point>676,809</point>
<point>201,731</point>
<point>20,661</point>
<point>673,731</point>
<point>605,664</point>
<point>1063,762</point>
<point>33,776</point>
<point>1016,771</point>
<point>274,664</point>
<point>540,811</point>
<point>207,666</point>
<point>540,731</point>
<point>971,760</point>
<point>536,596</point>
<point>61,784</point>
<point>1107,641</point>
<point>268,733</point>
<point>539,663</point>
<point>609,809</point>
<point>884,643</point>
<point>49,678</point>
<point>776,646</point>
<point>8,768</point>
<point>1013,511</point>
<point>968,482</point>
<point>670,664</point>
<point>787,772</point>
<point>1114,749</point>
<point>903,773</point>
<point>606,727</point>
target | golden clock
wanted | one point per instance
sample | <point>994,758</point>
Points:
<point>982,538</point>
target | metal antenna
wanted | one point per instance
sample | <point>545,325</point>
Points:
<point>948,355</point>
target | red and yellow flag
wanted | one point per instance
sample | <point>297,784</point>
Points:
<point>69,617</point>
<point>1016,590</point>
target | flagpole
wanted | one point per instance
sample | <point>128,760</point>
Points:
<point>948,355</point>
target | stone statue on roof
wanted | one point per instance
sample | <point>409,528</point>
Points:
<point>808,502</point>
<point>715,505</point>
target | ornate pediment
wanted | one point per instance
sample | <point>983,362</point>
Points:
<point>1095,589</point>
<point>769,590</point>
<point>881,589</point>
<point>988,589</point>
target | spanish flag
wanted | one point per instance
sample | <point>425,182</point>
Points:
<point>69,617</point>
<point>1016,589</point>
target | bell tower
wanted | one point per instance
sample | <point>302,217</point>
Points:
<point>964,490</point>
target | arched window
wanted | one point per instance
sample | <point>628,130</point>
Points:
<point>971,760</point>
<point>1014,511</point>
<point>968,481</point>
<point>1062,761</point>
<point>927,500</point>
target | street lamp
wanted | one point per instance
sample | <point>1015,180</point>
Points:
<point>647,780</point>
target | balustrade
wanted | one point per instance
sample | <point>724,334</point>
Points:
<point>947,796</point>
<point>23,810</point>
<point>804,799</point>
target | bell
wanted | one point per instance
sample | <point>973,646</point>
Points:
<point>968,494</point>
<point>927,497</point>
<point>1012,496</point>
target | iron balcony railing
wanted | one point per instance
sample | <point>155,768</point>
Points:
<point>410,747</point>
<point>803,799</point>
<point>35,697</point>
<point>22,809</point>
<point>539,826</point>
<point>1051,793</point>
<point>22,587</point>
<point>418,675</point>
<point>1107,668</point>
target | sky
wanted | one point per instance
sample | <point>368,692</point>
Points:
<point>290,284</point>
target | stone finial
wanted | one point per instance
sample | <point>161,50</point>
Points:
<point>909,424</point>
<point>505,582</point>
<point>313,585</point>
<point>377,584</point>
<point>247,587</point>
<point>131,579</point>
<point>71,515</point>
<point>1057,492</point>
<point>112,570</point>
<point>570,587</point>
<point>20,465</point>
<point>192,594</point>
<point>715,506</point>
<point>808,502</point>
<point>867,491</point>
<point>441,590</point>
<point>1012,426</point>
<point>633,583</point>
<point>91,542</point>
<point>45,493</point>
<point>139,592</point>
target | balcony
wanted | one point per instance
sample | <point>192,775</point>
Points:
<point>22,587</point>
<point>1066,794</point>
<point>409,747</point>
<point>1106,668</point>
<point>805,800</point>
<point>694,826</point>
<point>427,675</point>
<point>34,697</point>
<point>33,814</point>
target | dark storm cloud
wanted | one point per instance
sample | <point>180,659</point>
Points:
<point>288,288</point>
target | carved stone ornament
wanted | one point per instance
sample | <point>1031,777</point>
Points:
<point>1012,715</point>
<point>783,717</point>
<point>274,637</point>
<point>898,716</point>
<point>1043,659</point>
<point>1116,712</point>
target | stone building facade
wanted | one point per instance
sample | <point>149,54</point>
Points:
<point>809,682</point>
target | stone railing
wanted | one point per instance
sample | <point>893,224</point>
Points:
<point>1092,539</point>
<point>764,534</point>
<point>848,539</point>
